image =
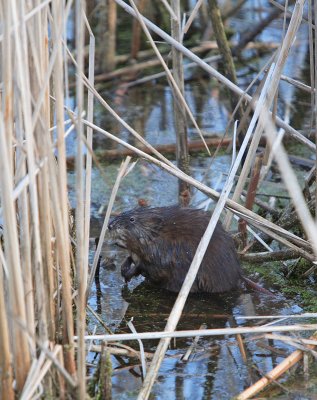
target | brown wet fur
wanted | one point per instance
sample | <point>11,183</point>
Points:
<point>162,242</point>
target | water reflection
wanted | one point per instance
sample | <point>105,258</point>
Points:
<point>215,369</point>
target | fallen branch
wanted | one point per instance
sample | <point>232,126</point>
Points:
<point>194,146</point>
<point>140,66</point>
<point>267,256</point>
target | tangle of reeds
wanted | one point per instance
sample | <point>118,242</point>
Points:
<point>44,274</point>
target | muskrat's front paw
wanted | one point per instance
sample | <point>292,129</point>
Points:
<point>128,269</point>
<point>128,273</point>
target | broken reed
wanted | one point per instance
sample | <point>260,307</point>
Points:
<point>37,286</point>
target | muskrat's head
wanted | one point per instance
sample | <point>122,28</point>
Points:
<point>135,227</point>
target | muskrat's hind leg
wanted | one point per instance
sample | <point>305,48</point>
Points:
<point>129,269</point>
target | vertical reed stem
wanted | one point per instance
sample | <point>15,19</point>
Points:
<point>6,376</point>
<point>179,111</point>
<point>109,59</point>
<point>81,264</point>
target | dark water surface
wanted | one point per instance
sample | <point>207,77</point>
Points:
<point>215,369</point>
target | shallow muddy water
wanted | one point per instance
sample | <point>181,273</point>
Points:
<point>215,369</point>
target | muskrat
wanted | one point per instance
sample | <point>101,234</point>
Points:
<point>162,241</point>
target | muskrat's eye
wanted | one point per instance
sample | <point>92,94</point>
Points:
<point>131,219</point>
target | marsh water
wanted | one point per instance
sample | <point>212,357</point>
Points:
<point>215,369</point>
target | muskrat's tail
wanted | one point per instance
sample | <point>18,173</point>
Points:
<point>256,286</point>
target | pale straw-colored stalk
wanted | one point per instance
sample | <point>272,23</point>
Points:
<point>202,332</point>
<point>81,262</point>
<point>24,86</point>
<point>123,170</point>
<point>6,378</point>
<point>89,143</point>
<point>269,93</point>
<point>16,304</point>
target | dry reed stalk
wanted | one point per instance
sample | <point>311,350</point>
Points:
<point>180,125</point>
<point>251,192</point>
<point>35,210</point>
<point>41,367</point>
<point>142,353</point>
<point>192,16</point>
<point>268,158</point>
<point>314,92</point>
<point>33,375</point>
<point>89,135</point>
<point>256,127</point>
<point>109,61</point>
<point>203,332</point>
<point>294,341</point>
<point>28,89</point>
<point>59,205</point>
<point>193,345</point>
<point>41,59</point>
<point>169,9</point>
<point>296,316</point>
<point>58,190</point>
<point>60,377</point>
<point>122,172</point>
<point>58,82</point>
<point>6,375</point>
<point>23,211</point>
<point>136,32</point>
<point>22,205</point>
<point>280,62</point>
<point>272,89</point>
<point>16,302</point>
<point>222,41</point>
<point>290,180</point>
<point>95,348</point>
<point>15,299</point>
<point>81,262</point>
<point>38,61</point>
<point>62,259</point>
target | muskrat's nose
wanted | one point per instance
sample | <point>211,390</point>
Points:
<point>110,225</point>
